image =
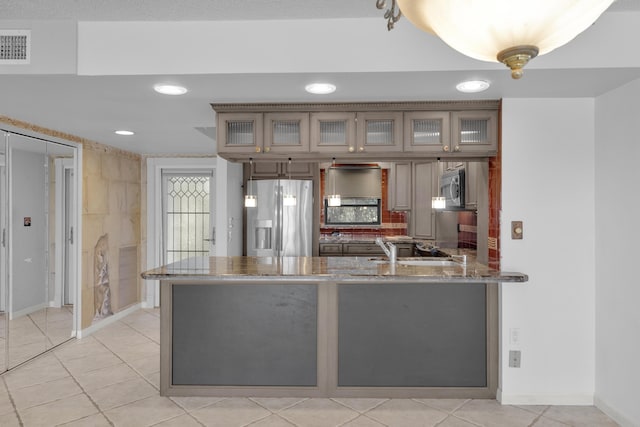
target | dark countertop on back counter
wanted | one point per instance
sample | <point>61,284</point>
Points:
<point>327,269</point>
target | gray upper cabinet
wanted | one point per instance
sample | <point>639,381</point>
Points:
<point>286,133</point>
<point>256,133</point>
<point>399,188</point>
<point>333,132</point>
<point>474,131</point>
<point>356,133</point>
<point>239,133</point>
<point>379,132</point>
<point>272,169</point>
<point>426,131</point>
<point>423,218</point>
<point>364,131</point>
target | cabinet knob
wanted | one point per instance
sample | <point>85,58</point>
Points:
<point>351,149</point>
<point>267,149</point>
<point>257,149</point>
<point>457,148</point>
<point>361,149</point>
<point>445,148</point>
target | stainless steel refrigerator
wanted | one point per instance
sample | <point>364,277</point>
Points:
<point>277,229</point>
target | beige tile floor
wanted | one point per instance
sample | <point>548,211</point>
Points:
<point>34,333</point>
<point>111,379</point>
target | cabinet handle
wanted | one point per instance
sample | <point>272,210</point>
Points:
<point>445,148</point>
<point>351,149</point>
<point>257,149</point>
<point>267,149</point>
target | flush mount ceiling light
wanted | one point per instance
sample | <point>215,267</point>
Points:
<point>508,31</point>
<point>124,132</point>
<point>167,89</point>
<point>320,88</point>
<point>473,86</point>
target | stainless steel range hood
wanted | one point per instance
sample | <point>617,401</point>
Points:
<point>354,181</point>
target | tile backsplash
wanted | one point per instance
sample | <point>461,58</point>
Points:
<point>393,223</point>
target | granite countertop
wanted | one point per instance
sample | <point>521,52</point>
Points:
<point>326,269</point>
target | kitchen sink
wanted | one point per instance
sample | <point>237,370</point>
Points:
<point>417,262</point>
<point>428,263</point>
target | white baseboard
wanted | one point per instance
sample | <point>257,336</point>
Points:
<point>582,399</point>
<point>108,320</point>
<point>614,414</point>
<point>28,310</point>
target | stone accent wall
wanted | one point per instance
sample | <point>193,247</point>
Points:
<point>111,205</point>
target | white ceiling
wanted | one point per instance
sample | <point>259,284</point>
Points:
<point>94,106</point>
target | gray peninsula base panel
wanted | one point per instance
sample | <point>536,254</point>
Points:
<point>245,335</point>
<point>411,335</point>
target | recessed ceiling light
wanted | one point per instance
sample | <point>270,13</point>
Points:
<point>124,132</point>
<point>472,86</point>
<point>320,88</point>
<point>166,89</point>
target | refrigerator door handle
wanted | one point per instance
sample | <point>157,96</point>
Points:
<point>278,228</point>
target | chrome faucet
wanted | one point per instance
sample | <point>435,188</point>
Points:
<point>460,258</point>
<point>389,249</point>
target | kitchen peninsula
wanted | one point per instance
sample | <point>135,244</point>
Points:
<point>329,326</point>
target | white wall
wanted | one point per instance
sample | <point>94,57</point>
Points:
<point>617,211</point>
<point>53,47</point>
<point>116,48</point>
<point>548,182</point>
<point>229,202</point>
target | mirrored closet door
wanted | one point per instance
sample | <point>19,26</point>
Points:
<point>39,264</point>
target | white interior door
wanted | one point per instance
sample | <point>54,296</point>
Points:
<point>65,232</point>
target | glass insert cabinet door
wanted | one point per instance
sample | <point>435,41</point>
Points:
<point>37,284</point>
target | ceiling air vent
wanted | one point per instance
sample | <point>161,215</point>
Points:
<point>15,47</point>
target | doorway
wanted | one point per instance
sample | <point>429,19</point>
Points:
<point>181,219</point>
<point>188,220</point>
<point>64,292</point>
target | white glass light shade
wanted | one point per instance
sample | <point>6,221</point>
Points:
<point>483,29</point>
<point>438,202</point>
<point>250,201</point>
<point>289,200</point>
<point>334,200</point>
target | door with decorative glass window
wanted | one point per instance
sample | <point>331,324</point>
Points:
<point>188,229</point>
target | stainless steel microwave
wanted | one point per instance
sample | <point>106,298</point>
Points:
<point>452,188</point>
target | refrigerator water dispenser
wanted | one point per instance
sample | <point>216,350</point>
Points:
<point>263,230</point>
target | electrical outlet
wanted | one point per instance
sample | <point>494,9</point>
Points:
<point>514,358</point>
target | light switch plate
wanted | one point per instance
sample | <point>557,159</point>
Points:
<point>516,230</point>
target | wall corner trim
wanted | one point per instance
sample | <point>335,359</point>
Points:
<point>108,321</point>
